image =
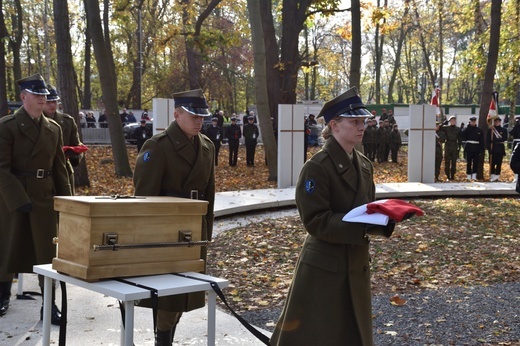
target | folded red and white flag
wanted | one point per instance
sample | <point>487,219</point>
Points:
<point>395,209</point>
<point>78,149</point>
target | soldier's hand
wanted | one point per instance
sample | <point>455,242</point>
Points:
<point>26,208</point>
<point>389,228</point>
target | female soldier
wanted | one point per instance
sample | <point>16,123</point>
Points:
<point>329,302</point>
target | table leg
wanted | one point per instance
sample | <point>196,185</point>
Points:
<point>47,297</point>
<point>129,323</point>
<point>212,306</point>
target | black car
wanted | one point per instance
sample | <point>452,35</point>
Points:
<point>128,130</point>
<point>13,106</point>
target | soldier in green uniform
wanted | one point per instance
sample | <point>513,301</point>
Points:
<point>179,162</point>
<point>451,148</point>
<point>69,130</point>
<point>440,138</point>
<point>32,172</point>
<point>384,141</point>
<point>329,301</point>
<point>251,134</point>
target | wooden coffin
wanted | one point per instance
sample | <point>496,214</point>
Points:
<point>101,237</point>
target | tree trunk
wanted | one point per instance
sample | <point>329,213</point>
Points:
<point>87,93</point>
<point>67,78</point>
<point>3,79</point>
<point>108,81</point>
<point>15,42</point>
<point>355,64</point>
<point>489,75</point>
<point>262,101</point>
<point>397,65</point>
<point>272,59</point>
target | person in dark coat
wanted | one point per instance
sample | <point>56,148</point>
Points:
<point>214,132</point>
<point>69,130</point>
<point>514,163</point>
<point>142,134</point>
<point>395,142</point>
<point>251,134</point>
<point>473,137</point>
<point>497,136</point>
<point>179,162</point>
<point>451,148</point>
<point>329,300</point>
<point>233,135</point>
<point>440,138</point>
<point>32,172</point>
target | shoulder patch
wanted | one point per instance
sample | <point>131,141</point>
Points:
<point>147,156</point>
<point>310,186</point>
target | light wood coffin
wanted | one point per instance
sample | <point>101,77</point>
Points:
<point>88,221</point>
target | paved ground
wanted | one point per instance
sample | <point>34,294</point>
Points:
<point>95,319</point>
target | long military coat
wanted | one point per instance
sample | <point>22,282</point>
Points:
<point>69,130</point>
<point>329,301</point>
<point>170,165</point>
<point>26,238</point>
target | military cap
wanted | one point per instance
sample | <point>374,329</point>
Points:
<point>311,115</point>
<point>452,117</point>
<point>251,117</point>
<point>192,101</point>
<point>53,93</point>
<point>33,84</point>
<point>348,105</point>
<point>473,119</point>
<point>143,121</point>
<point>233,118</point>
<point>497,119</point>
<point>214,119</point>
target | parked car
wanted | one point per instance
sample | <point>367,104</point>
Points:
<point>128,130</point>
<point>13,106</point>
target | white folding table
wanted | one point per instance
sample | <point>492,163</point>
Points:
<point>166,285</point>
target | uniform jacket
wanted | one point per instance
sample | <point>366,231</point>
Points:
<point>26,238</point>
<point>233,134</point>
<point>69,130</point>
<point>473,134</point>
<point>440,138</point>
<point>329,301</point>
<point>496,143</point>
<point>514,163</point>
<point>215,133</point>
<point>251,132</point>
<point>169,165</point>
<point>452,137</point>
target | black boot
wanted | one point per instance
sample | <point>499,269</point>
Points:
<point>5,294</point>
<point>55,312</point>
<point>164,338</point>
<point>55,315</point>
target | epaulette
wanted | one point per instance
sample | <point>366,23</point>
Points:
<point>54,122</point>
<point>320,156</point>
<point>6,118</point>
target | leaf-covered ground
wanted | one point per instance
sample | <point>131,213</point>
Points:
<point>103,180</point>
<point>458,242</point>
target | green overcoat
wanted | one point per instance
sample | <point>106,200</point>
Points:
<point>69,130</point>
<point>170,165</point>
<point>329,301</point>
<point>26,238</point>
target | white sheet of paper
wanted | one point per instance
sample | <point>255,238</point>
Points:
<point>359,214</point>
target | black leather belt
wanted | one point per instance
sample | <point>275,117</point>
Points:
<point>38,173</point>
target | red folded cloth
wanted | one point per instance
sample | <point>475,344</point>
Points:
<point>395,208</point>
<point>78,149</point>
